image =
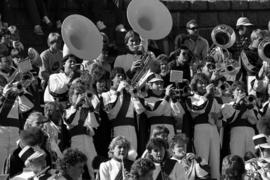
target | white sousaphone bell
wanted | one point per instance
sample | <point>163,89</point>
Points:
<point>223,36</point>
<point>264,49</point>
<point>81,37</point>
<point>149,18</point>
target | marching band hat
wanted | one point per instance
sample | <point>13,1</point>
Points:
<point>155,79</point>
<point>243,21</point>
<point>261,141</point>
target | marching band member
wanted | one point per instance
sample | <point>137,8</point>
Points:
<point>58,84</point>
<point>162,109</point>
<point>249,59</point>
<point>130,62</point>
<point>258,168</point>
<point>165,168</point>
<point>195,167</point>
<point>51,58</point>
<point>206,115</point>
<point>118,167</point>
<point>81,121</point>
<point>120,106</point>
<point>240,114</point>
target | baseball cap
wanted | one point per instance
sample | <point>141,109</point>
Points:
<point>243,21</point>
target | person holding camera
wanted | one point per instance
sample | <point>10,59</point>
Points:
<point>162,108</point>
<point>81,121</point>
<point>241,116</point>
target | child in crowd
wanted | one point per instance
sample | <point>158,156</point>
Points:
<point>118,166</point>
<point>195,167</point>
<point>81,121</point>
<point>165,167</point>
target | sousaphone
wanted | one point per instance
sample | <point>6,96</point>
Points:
<point>223,36</point>
<point>82,37</point>
<point>264,49</point>
<point>149,18</point>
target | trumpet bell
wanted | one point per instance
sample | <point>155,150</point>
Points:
<point>264,50</point>
<point>149,18</point>
<point>82,37</point>
<point>223,36</point>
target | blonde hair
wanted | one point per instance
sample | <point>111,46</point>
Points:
<point>33,117</point>
<point>118,140</point>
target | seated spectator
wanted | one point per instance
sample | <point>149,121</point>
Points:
<point>119,165</point>
<point>164,166</point>
<point>72,164</point>
<point>142,169</point>
<point>35,163</point>
<point>33,137</point>
<point>51,58</point>
<point>233,168</point>
<point>195,167</point>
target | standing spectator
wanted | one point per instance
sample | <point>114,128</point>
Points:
<point>51,58</point>
<point>196,44</point>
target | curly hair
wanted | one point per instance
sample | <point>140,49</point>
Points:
<point>238,84</point>
<point>71,157</point>
<point>158,130</point>
<point>141,167</point>
<point>118,140</point>
<point>233,168</point>
<point>78,85</point>
<point>198,77</point>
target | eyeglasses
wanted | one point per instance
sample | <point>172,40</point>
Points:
<point>193,28</point>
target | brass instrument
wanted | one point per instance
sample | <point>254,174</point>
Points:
<point>81,37</point>
<point>264,49</point>
<point>223,37</point>
<point>138,81</point>
<point>152,20</point>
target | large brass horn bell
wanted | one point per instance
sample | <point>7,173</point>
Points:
<point>82,37</point>
<point>264,49</point>
<point>223,36</point>
<point>149,18</point>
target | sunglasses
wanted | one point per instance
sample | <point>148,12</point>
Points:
<point>193,28</point>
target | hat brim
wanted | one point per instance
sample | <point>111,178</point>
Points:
<point>155,80</point>
<point>265,146</point>
<point>245,24</point>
